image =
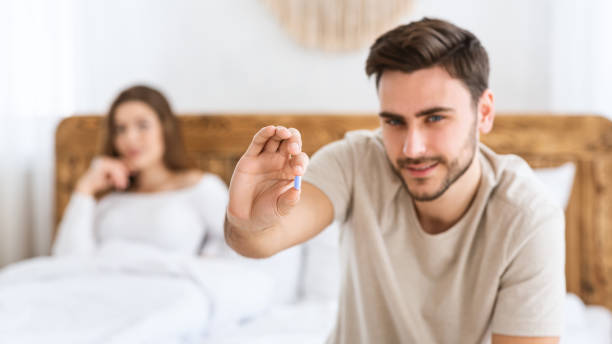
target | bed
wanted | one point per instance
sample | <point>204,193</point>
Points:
<point>215,143</point>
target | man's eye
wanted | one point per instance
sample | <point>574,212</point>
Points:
<point>393,122</point>
<point>434,118</point>
<point>119,129</point>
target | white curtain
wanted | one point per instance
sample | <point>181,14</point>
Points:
<point>36,91</point>
<point>581,47</point>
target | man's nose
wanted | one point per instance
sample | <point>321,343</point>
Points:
<point>414,144</point>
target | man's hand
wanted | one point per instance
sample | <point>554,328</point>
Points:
<point>261,190</point>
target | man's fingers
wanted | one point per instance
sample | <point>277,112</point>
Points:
<point>287,200</point>
<point>292,145</point>
<point>299,163</point>
<point>274,142</point>
<point>259,140</point>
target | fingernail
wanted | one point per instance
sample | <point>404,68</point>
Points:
<point>294,147</point>
<point>297,182</point>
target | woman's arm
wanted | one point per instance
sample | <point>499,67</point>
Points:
<point>76,231</point>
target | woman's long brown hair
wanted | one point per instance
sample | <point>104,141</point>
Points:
<point>175,156</point>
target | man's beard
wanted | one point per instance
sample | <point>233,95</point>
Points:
<point>455,169</point>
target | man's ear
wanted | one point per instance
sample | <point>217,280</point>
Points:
<point>486,112</point>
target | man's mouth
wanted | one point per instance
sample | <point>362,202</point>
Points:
<point>421,170</point>
<point>421,167</point>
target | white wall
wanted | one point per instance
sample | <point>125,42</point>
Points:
<point>232,55</point>
<point>516,35</point>
<point>582,63</point>
<point>210,56</point>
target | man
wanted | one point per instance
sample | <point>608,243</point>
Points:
<point>443,241</point>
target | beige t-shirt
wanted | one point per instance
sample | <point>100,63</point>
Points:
<point>500,269</point>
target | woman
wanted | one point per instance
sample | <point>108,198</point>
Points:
<point>151,194</point>
<point>125,269</point>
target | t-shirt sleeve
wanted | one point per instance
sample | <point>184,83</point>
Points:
<point>331,170</point>
<point>531,296</point>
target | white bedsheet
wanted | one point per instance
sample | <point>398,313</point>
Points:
<point>131,294</point>
<point>586,324</point>
<point>305,322</point>
<point>126,294</point>
<point>310,322</point>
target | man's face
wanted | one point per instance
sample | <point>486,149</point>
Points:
<point>429,127</point>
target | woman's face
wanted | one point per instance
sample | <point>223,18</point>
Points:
<point>138,135</point>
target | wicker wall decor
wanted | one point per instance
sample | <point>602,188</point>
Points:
<point>337,25</point>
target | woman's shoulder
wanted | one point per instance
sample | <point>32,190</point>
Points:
<point>208,188</point>
<point>190,178</point>
<point>194,177</point>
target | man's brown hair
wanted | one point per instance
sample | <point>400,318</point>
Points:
<point>432,42</point>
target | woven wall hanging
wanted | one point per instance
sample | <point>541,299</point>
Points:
<point>337,25</point>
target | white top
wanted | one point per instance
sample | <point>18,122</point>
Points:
<point>178,221</point>
<point>499,269</point>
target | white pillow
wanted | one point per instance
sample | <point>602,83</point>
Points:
<point>558,181</point>
<point>285,268</point>
<point>321,279</point>
<point>238,292</point>
<point>586,324</point>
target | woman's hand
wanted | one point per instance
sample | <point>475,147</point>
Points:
<point>103,174</point>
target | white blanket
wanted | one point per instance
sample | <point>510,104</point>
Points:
<point>310,322</point>
<point>305,322</point>
<point>134,294</point>
<point>126,294</point>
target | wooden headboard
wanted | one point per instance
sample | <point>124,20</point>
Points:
<point>215,143</point>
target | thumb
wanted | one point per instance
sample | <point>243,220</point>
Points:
<point>287,200</point>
